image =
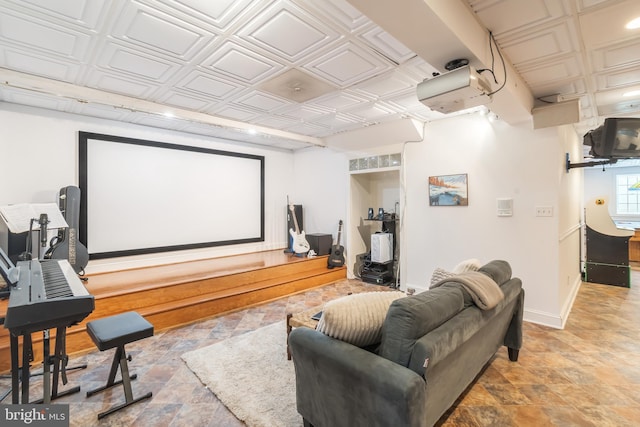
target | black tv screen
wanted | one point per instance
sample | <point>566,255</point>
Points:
<point>617,138</point>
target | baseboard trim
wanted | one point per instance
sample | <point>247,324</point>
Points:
<point>543,318</point>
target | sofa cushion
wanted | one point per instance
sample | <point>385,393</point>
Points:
<point>498,270</point>
<point>467,298</point>
<point>410,318</point>
<point>357,319</point>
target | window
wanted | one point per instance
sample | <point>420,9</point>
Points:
<point>628,194</point>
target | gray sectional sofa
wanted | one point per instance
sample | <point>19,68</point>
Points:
<point>433,346</point>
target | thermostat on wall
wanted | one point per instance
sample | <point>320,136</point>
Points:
<point>505,207</point>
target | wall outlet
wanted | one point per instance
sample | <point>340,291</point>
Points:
<point>544,210</point>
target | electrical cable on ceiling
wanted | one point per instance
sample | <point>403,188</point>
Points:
<point>492,43</point>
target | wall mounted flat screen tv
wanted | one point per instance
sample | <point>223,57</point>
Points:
<point>617,138</point>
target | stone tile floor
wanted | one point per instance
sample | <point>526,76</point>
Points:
<point>587,374</point>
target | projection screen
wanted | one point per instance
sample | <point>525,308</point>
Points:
<point>143,196</point>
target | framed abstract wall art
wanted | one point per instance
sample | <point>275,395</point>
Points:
<point>448,190</point>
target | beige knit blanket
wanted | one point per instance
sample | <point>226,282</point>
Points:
<point>483,289</point>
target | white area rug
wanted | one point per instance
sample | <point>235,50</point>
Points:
<point>251,375</point>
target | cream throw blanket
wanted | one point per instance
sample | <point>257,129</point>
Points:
<point>483,289</point>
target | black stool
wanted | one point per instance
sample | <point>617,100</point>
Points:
<point>116,331</point>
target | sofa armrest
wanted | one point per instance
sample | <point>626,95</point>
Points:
<point>513,337</point>
<point>341,384</point>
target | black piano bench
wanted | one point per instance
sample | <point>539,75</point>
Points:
<point>116,331</point>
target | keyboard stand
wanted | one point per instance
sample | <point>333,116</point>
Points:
<point>20,374</point>
<point>59,360</point>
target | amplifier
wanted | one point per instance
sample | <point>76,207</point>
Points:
<point>320,243</point>
<point>377,277</point>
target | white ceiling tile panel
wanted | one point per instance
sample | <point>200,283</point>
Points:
<point>117,58</point>
<point>389,84</point>
<point>110,83</point>
<point>585,4</point>
<point>208,86</point>
<point>569,86</point>
<point>153,30</point>
<point>347,65</point>
<point>616,56</point>
<point>418,68</point>
<point>43,36</point>
<point>384,43</point>
<point>552,41</point>
<point>617,80</point>
<point>288,31</point>
<point>338,12</point>
<point>502,16</point>
<point>304,112</point>
<point>261,101</point>
<point>39,65</point>
<point>85,13</point>
<point>338,101</point>
<point>604,26</point>
<point>241,63</point>
<point>564,69</point>
<point>218,13</point>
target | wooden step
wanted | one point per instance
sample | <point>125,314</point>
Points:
<point>177,294</point>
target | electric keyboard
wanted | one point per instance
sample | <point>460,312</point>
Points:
<point>48,294</point>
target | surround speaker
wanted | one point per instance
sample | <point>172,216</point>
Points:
<point>559,113</point>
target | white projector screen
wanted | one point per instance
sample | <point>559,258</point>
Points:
<point>142,196</point>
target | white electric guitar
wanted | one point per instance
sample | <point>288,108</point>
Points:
<point>300,244</point>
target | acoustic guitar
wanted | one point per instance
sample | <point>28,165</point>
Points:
<point>336,257</point>
<point>299,244</point>
<point>66,244</point>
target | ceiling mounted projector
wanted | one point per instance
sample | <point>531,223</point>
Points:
<point>456,90</point>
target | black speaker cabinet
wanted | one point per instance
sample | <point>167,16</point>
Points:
<point>607,274</point>
<point>13,244</point>
<point>320,243</point>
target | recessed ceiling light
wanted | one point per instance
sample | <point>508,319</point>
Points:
<point>632,93</point>
<point>633,24</point>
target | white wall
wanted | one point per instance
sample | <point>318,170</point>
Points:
<point>319,184</point>
<point>501,162</point>
<point>599,183</point>
<point>40,155</point>
<point>570,220</point>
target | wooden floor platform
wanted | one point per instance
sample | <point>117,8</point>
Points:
<point>177,294</point>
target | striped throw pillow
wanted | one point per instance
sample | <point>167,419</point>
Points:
<point>358,318</point>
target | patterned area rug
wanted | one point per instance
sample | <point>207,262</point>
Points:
<point>251,376</point>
